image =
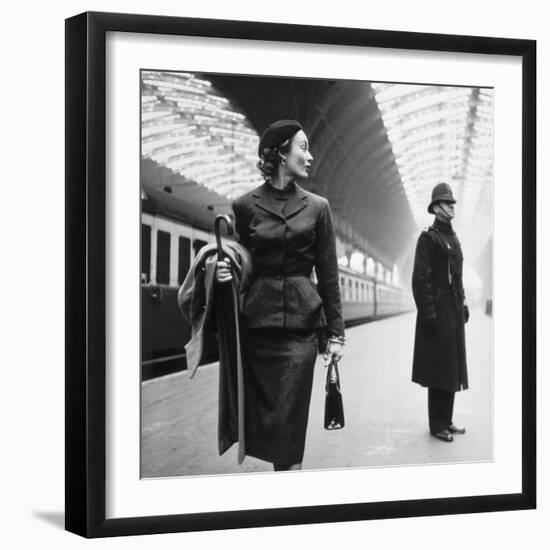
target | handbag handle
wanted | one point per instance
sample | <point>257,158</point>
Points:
<point>333,366</point>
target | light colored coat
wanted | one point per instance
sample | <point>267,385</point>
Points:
<point>205,304</point>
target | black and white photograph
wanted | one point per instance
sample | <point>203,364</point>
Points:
<point>316,274</point>
<point>302,274</point>
<point>370,366</point>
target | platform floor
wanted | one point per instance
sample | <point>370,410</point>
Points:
<point>386,414</point>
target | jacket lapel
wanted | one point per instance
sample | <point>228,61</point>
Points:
<point>296,202</point>
<point>266,201</point>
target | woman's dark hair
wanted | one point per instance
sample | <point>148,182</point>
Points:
<point>271,157</point>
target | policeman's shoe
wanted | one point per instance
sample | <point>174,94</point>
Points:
<point>444,435</point>
<point>456,429</point>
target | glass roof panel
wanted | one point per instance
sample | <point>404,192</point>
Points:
<point>442,133</point>
<point>189,127</point>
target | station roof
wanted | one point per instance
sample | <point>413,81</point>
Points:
<point>157,201</point>
<point>378,148</point>
<point>443,133</point>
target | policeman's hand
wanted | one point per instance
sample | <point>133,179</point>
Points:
<point>223,271</point>
<point>466,313</point>
<point>335,350</point>
<point>430,325</point>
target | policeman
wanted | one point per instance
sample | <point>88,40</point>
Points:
<point>439,361</point>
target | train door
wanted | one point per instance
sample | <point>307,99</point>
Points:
<point>155,277</point>
<point>147,289</point>
<point>166,257</point>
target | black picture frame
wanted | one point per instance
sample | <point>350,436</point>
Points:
<point>86,261</point>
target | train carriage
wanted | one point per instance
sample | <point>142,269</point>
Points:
<point>172,232</point>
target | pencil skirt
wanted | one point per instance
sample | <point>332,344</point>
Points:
<point>278,376</point>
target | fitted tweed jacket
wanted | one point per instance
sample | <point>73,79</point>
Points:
<point>285,247</point>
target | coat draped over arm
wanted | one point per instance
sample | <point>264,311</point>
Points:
<point>208,305</point>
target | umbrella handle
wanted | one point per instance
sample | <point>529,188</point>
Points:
<point>219,218</point>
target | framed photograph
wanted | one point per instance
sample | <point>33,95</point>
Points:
<point>382,189</point>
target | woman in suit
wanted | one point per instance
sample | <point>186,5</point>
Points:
<point>288,232</point>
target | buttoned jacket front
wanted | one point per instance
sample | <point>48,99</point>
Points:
<point>285,245</point>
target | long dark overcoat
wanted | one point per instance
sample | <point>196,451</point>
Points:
<point>440,355</point>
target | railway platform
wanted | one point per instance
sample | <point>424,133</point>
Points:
<point>386,414</point>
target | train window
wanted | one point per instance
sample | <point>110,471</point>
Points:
<point>163,258</point>
<point>145,253</point>
<point>184,258</point>
<point>197,245</point>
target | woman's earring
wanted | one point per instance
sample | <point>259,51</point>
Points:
<point>283,161</point>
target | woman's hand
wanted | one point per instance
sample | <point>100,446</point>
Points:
<point>223,271</point>
<point>335,350</point>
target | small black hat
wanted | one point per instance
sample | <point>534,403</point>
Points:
<point>441,192</point>
<point>278,132</point>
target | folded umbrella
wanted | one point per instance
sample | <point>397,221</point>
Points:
<point>231,380</point>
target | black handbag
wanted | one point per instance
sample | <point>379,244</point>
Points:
<point>334,407</point>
